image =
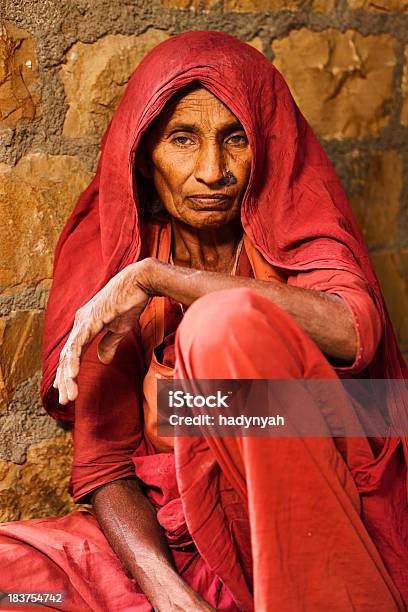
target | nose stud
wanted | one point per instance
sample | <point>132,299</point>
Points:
<point>228,179</point>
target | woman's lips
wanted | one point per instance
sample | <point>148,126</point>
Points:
<point>211,202</point>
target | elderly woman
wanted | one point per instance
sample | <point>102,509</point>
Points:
<point>215,242</point>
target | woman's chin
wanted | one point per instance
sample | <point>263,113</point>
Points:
<point>207,219</point>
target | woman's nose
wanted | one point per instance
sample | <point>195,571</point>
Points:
<point>210,164</point>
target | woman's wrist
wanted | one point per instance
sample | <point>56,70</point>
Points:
<point>149,275</point>
<point>167,591</point>
<point>143,272</point>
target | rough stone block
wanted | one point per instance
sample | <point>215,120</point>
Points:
<point>379,6</point>
<point>95,76</point>
<point>189,4</point>
<point>256,43</point>
<point>404,88</point>
<point>253,6</point>
<point>20,348</point>
<point>24,422</point>
<point>36,197</point>
<point>323,6</point>
<point>377,179</point>
<point>39,487</point>
<point>343,82</point>
<point>392,271</point>
<point>19,98</point>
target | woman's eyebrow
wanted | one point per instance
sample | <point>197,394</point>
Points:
<point>194,127</point>
<point>182,127</point>
<point>233,127</point>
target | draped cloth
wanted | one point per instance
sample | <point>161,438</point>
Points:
<point>294,211</point>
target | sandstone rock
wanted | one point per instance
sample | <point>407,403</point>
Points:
<point>95,76</point>
<point>392,271</point>
<point>323,6</point>
<point>404,88</point>
<point>342,82</point>
<point>24,422</point>
<point>8,474</point>
<point>19,98</point>
<point>379,6</point>
<point>256,43</point>
<point>189,4</point>
<point>39,487</point>
<point>36,197</point>
<point>3,393</point>
<point>377,206</point>
<point>20,347</point>
<point>253,6</point>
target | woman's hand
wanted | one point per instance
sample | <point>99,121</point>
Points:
<point>177,596</point>
<point>196,604</point>
<point>116,308</point>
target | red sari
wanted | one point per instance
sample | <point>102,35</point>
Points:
<point>328,519</point>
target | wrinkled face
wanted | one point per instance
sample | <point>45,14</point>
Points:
<point>199,160</point>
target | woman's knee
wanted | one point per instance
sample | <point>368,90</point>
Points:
<point>239,326</point>
<point>220,312</point>
<point>217,313</point>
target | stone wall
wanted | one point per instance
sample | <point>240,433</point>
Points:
<point>63,67</point>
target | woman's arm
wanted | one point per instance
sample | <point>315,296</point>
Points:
<point>129,523</point>
<point>324,317</point>
<point>117,307</point>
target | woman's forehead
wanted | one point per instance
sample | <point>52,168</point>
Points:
<point>197,105</point>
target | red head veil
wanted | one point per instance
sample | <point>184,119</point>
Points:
<point>294,209</point>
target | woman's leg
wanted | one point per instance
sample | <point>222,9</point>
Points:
<point>310,548</point>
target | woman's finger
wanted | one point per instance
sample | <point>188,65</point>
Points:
<point>57,381</point>
<point>58,372</point>
<point>71,363</point>
<point>70,385</point>
<point>62,393</point>
<point>72,359</point>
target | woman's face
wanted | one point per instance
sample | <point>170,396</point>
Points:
<point>191,147</point>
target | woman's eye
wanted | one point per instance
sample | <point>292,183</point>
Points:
<point>237,139</point>
<point>182,140</point>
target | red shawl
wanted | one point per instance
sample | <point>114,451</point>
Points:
<point>294,209</point>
